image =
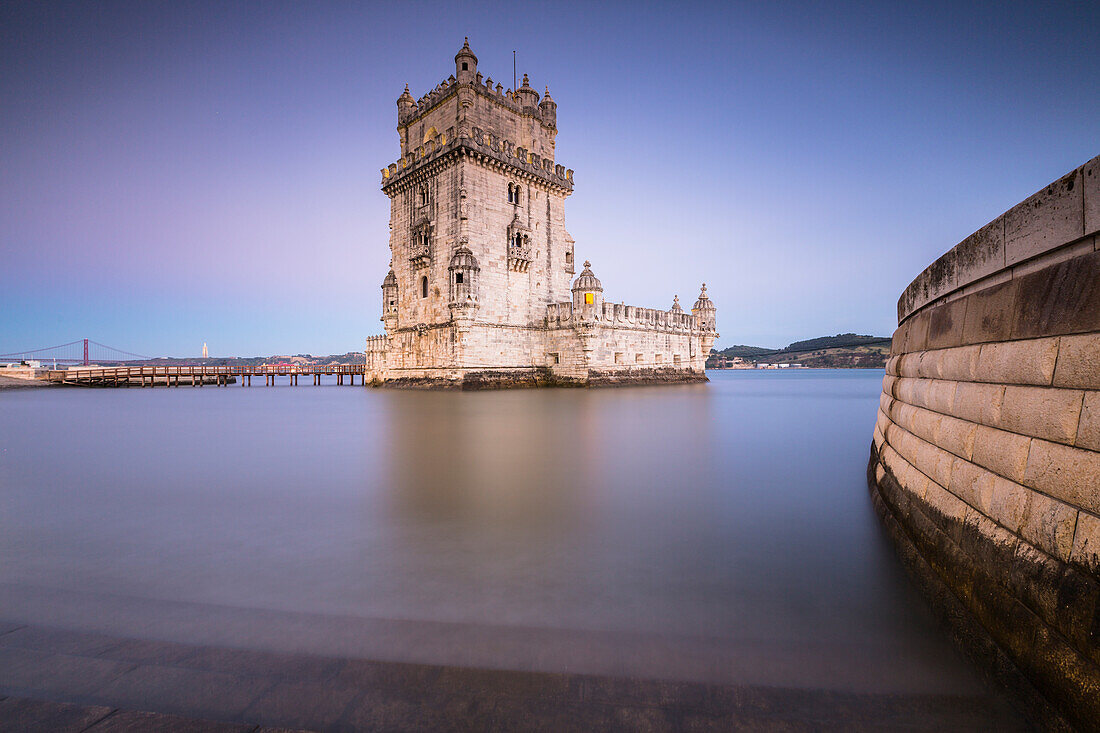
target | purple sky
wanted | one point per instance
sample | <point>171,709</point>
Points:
<point>173,173</point>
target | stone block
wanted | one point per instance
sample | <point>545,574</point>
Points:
<point>897,341</point>
<point>1042,412</point>
<point>1002,452</point>
<point>959,363</point>
<point>956,436</point>
<point>1081,247</point>
<point>1066,473</point>
<point>911,390</point>
<point>1086,543</point>
<point>909,365</point>
<point>945,324</point>
<point>982,253</point>
<point>1018,362</point>
<point>1008,502</point>
<point>966,481</point>
<point>1061,299</point>
<point>1090,179</point>
<point>916,338</point>
<point>989,314</point>
<point>950,507</point>
<point>937,279</point>
<point>979,403</point>
<point>1078,362</point>
<point>892,365</point>
<point>1048,219</point>
<point>925,424</point>
<point>1088,430</point>
<point>1049,525</point>
<point>888,382</point>
<point>940,396</point>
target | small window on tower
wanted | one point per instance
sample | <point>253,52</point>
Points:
<point>423,195</point>
<point>569,258</point>
<point>458,278</point>
<point>424,287</point>
<point>589,298</point>
<point>465,66</point>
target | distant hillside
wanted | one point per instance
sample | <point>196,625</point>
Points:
<point>845,350</point>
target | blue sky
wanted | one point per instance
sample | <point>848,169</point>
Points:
<point>174,173</point>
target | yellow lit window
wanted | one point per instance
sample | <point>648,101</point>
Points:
<point>589,298</point>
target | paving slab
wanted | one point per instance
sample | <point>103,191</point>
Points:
<point>262,663</point>
<point>188,692</point>
<point>23,714</point>
<point>302,705</point>
<point>58,641</point>
<point>35,674</point>
<point>144,722</point>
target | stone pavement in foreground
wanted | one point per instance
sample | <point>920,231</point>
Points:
<point>55,680</point>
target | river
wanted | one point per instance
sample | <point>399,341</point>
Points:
<point>719,532</point>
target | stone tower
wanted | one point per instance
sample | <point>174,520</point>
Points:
<point>480,289</point>
<point>478,235</point>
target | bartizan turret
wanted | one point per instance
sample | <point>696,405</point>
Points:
<point>389,300</point>
<point>465,64</point>
<point>549,109</point>
<point>463,272</point>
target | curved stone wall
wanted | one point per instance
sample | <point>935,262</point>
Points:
<point>985,464</point>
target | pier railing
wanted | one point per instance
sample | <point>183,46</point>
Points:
<point>174,376</point>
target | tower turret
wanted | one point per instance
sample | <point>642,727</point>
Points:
<point>704,311</point>
<point>464,270</point>
<point>587,293</point>
<point>528,98</point>
<point>676,305</point>
<point>389,299</point>
<point>463,274</point>
<point>465,64</point>
<point>549,109</point>
<point>406,105</point>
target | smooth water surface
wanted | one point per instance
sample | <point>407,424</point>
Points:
<point>719,532</point>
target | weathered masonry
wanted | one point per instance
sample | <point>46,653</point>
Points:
<point>985,465</point>
<point>481,291</point>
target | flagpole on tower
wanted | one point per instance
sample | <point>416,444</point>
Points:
<point>513,72</point>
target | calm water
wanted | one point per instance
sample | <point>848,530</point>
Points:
<point>718,532</point>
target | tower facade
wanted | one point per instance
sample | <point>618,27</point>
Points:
<point>481,262</point>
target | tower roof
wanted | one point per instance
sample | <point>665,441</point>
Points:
<point>704,303</point>
<point>463,258</point>
<point>587,280</point>
<point>676,305</point>
<point>465,51</point>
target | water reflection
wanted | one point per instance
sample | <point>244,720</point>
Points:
<point>717,531</point>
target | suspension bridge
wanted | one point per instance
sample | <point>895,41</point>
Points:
<point>81,351</point>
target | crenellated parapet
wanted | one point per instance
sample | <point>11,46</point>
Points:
<point>620,315</point>
<point>483,146</point>
<point>524,101</point>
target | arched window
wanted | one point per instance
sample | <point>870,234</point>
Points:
<point>423,195</point>
<point>511,193</point>
<point>424,287</point>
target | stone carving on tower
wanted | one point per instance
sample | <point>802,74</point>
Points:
<point>481,288</point>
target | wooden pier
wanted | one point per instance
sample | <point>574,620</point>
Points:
<point>197,376</point>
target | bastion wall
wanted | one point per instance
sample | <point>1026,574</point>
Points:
<point>985,462</point>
